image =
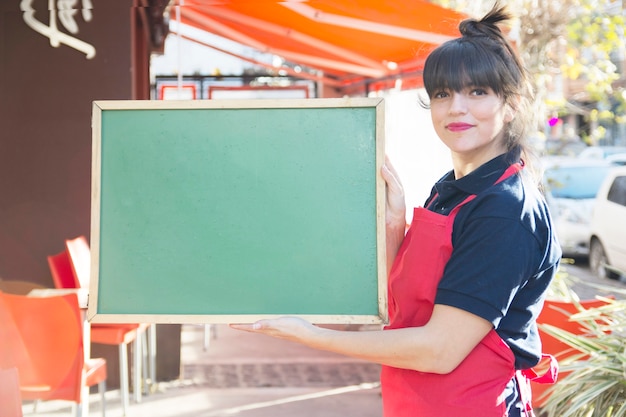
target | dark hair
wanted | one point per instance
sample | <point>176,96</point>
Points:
<point>482,57</point>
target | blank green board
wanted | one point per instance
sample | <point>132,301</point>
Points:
<point>235,210</point>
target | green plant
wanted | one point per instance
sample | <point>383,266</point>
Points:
<point>561,287</point>
<point>596,383</point>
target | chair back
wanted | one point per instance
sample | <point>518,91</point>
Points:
<point>18,287</point>
<point>13,354</point>
<point>46,344</point>
<point>80,259</point>
<point>62,271</point>
<point>10,398</point>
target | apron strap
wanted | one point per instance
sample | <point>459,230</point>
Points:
<point>524,377</point>
<point>525,393</point>
<point>511,170</point>
<point>549,377</point>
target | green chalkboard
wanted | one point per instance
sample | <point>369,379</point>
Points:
<point>233,210</point>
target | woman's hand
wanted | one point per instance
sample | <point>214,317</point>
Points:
<point>288,328</point>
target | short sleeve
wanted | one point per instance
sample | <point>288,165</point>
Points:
<point>492,258</point>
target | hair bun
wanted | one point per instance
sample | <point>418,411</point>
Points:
<point>471,27</point>
<point>487,26</point>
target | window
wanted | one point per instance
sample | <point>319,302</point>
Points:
<point>617,192</point>
<point>577,182</point>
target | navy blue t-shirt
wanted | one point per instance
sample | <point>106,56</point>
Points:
<point>504,257</point>
<point>504,253</point>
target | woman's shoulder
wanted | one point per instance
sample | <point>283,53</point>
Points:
<point>516,201</point>
<point>511,197</point>
<point>515,204</point>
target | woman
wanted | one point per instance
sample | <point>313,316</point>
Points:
<point>469,277</point>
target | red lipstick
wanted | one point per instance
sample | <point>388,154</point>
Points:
<point>458,127</point>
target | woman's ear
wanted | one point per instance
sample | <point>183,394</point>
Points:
<point>509,112</point>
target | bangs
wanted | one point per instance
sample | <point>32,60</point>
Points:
<point>458,64</point>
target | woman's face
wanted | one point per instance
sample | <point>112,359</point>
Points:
<point>470,122</point>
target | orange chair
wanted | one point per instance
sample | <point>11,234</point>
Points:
<point>71,269</point>
<point>557,313</point>
<point>115,334</point>
<point>10,397</point>
<point>43,338</point>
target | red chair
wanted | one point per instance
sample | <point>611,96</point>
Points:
<point>62,273</point>
<point>71,269</point>
<point>557,313</point>
<point>43,338</point>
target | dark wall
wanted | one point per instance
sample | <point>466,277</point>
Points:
<point>46,95</point>
<point>45,128</point>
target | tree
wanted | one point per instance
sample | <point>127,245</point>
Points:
<point>596,42</point>
<point>575,40</point>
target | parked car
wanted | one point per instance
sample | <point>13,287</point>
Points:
<point>601,152</point>
<point>617,159</point>
<point>607,254</point>
<point>570,186</point>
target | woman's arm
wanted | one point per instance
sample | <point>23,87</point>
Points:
<point>437,347</point>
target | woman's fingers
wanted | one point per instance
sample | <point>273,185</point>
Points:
<point>291,328</point>
<point>248,327</point>
<point>396,206</point>
<point>390,175</point>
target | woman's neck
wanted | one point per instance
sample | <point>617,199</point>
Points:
<point>464,163</point>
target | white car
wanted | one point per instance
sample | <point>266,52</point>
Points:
<point>607,256</point>
<point>570,186</point>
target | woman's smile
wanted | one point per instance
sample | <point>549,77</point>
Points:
<point>458,126</point>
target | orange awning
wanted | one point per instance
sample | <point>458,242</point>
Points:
<point>354,45</point>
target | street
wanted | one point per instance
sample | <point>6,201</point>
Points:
<point>578,269</point>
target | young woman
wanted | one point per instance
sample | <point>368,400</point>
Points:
<point>469,277</point>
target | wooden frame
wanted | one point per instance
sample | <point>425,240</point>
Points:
<point>225,211</point>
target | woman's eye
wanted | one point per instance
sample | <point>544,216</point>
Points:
<point>479,91</point>
<point>440,94</point>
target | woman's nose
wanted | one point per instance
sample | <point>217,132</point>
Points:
<point>458,103</point>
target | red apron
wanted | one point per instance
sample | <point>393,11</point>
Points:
<point>475,388</point>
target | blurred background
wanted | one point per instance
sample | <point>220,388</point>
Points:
<point>57,57</point>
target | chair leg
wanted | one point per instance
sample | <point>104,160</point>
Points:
<point>137,362</point>
<point>79,409</point>
<point>102,388</point>
<point>145,347</point>
<point>207,337</point>
<point>124,390</point>
<point>152,351</point>
<point>210,332</point>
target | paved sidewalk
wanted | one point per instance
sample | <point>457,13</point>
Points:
<point>237,359</point>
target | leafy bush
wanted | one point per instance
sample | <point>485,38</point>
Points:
<point>596,383</point>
